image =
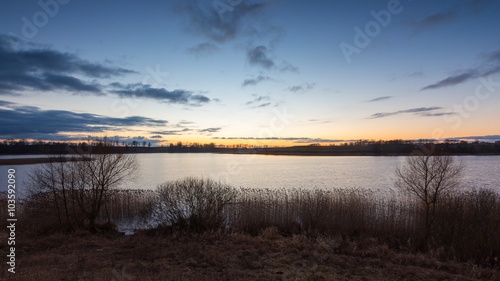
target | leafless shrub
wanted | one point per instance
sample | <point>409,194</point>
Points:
<point>194,204</point>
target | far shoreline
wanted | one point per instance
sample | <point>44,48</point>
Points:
<point>388,148</point>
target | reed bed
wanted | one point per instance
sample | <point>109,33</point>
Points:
<point>466,224</point>
<point>128,205</point>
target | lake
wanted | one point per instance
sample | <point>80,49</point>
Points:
<point>261,171</point>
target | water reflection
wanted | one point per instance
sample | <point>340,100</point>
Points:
<point>259,171</point>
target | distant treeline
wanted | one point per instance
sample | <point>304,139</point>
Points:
<point>358,148</point>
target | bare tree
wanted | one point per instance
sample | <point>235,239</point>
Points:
<point>428,177</point>
<point>97,175</point>
<point>82,185</point>
<point>51,185</point>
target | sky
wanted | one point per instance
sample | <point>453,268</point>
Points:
<point>268,72</point>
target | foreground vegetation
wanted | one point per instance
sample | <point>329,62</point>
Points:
<point>200,229</point>
<point>155,255</point>
<point>466,223</point>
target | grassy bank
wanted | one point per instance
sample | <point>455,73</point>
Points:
<point>204,230</point>
<point>212,256</point>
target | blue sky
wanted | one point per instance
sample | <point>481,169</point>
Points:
<point>261,72</point>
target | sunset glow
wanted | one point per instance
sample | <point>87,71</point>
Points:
<point>275,73</point>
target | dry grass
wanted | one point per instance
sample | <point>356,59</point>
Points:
<point>152,255</point>
<point>271,235</point>
<point>466,224</point>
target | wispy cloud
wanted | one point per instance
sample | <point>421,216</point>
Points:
<point>420,111</point>
<point>301,88</point>
<point>171,132</point>
<point>418,73</point>
<point>203,49</point>
<point>288,67</point>
<point>210,130</point>
<point>437,19</point>
<point>489,67</point>
<point>486,138</point>
<point>159,94</point>
<point>293,139</point>
<point>255,81</point>
<point>459,9</point>
<point>259,102</point>
<point>452,80</point>
<point>220,23</point>
<point>380,99</point>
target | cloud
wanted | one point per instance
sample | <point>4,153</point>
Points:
<point>288,67</point>
<point>70,83</point>
<point>437,19</point>
<point>259,102</point>
<point>418,73</point>
<point>489,67</point>
<point>20,121</point>
<point>380,99</point>
<point>255,81</point>
<point>494,56</point>
<point>220,21</point>
<point>421,111</point>
<point>486,138</point>
<point>171,132</point>
<point>203,49</point>
<point>458,10</point>
<point>293,139</point>
<point>258,57</point>
<point>210,130</point>
<point>160,94</point>
<point>184,124</point>
<point>433,114</point>
<point>301,88</point>
<point>32,67</point>
<point>451,80</point>
<point>475,6</point>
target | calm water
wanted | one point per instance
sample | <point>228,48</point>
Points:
<point>259,171</point>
